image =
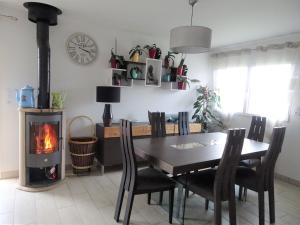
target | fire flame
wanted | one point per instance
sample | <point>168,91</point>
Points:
<point>46,140</point>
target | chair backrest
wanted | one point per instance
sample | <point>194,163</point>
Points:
<point>266,171</point>
<point>257,128</point>
<point>183,123</point>
<point>128,155</point>
<point>225,175</point>
<point>158,124</point>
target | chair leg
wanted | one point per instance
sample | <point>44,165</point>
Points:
<point>261,207</point>
<point>119,202</point>
<point>161,196</point>
<point>272,203</point>
<point>232,208</point>
<point>240,193</point>
<point>149,198</point>
<point>179,199</point>
<point>217,212</point>
<point>206,204</point>
<point>184,204</point>
<point>171,204</point>
<point>128,208</point>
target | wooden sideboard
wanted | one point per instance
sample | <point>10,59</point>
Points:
<point>108,152</point>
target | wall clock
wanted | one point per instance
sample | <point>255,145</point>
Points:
<point>81,48</point>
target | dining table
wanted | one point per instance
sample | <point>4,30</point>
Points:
<point>177,155</point>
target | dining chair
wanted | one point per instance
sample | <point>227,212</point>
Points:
<point>158,129</point>
<point>256,133</point>
<point>217,185</point>
<point>158,124</point>
<point>262,179</point>
<point>183,123</point>
<point>138,181</point>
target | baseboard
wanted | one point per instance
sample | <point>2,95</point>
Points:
<point>9,174</point>
<point>287,179</point>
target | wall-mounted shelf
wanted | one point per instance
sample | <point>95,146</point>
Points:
<point>135,74</point>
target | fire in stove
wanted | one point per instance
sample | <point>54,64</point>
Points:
<point>46,139</point>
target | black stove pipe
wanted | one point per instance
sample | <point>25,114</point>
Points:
<point>43,64</point>
<point>43,15</point>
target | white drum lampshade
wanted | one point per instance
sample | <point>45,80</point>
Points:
<point>190,39</point>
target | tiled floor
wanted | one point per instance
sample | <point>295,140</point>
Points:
<point>91,199</point>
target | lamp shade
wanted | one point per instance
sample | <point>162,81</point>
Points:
<point>108,94</point>
<point>190,39</point>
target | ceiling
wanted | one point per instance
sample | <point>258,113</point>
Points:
<point>232,21</point>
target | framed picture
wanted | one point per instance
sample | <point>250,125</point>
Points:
<point>153,72</point>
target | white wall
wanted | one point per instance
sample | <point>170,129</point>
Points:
<point>18,67</point>
<point>288,162</point>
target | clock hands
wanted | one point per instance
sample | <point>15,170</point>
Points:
<point>81,48</point>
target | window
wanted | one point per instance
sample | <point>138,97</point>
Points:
<point>229,82</point>
<point>262,90</point>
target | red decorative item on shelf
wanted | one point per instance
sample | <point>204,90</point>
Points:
<point>114,63</point>
<point>152,53</point>
<point>181,85</point>
<point>180,70</point>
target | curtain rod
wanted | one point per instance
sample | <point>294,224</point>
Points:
<point>260,48</point>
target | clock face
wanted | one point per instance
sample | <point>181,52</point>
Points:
<point>81,48</point>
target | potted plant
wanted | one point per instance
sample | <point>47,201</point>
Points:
<point>183,81</point>
<point>135,53</point>
<point>116,61</point>
<point>184,70</point>
<point>169,58</point>
<point>180,66</point>
<point>205,105</point>
<point>154,52</point>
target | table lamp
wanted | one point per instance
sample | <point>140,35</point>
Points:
<point>108,95</point>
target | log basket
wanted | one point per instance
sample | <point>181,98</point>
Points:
<point>82,149</point>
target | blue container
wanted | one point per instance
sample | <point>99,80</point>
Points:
<point>25,97</point>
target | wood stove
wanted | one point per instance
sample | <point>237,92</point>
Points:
<point>42,154</point>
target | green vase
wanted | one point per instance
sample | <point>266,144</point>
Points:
<point>58,100</point>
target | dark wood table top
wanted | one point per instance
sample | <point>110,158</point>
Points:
<point>173,160</point>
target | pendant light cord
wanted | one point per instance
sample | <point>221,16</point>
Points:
<point>192,3</point>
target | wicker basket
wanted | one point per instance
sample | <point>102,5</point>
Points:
<point>82,149</point>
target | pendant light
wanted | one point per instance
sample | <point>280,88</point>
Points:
<point>190,39</point>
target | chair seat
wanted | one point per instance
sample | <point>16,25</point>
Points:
<point>250,163</point>
<point>201,182</point>
<point>246,177</point>
<point>151,180</point>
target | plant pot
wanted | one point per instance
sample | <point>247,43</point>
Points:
<point>181,85</point>
<point>135,57</point>
<point>152,53</point>
<point>114,63</point>
<point>180,70</point>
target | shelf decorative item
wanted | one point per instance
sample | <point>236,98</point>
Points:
<point>183,81</point>
<point>135,53</point>
<point>116,61</point>
<point>153,51</point>
<point>169,59</point>
<point>180,66</point>
<point>153,72</point>
<point>135,72</point>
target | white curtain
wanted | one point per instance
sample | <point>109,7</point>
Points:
<point>260,81</point>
